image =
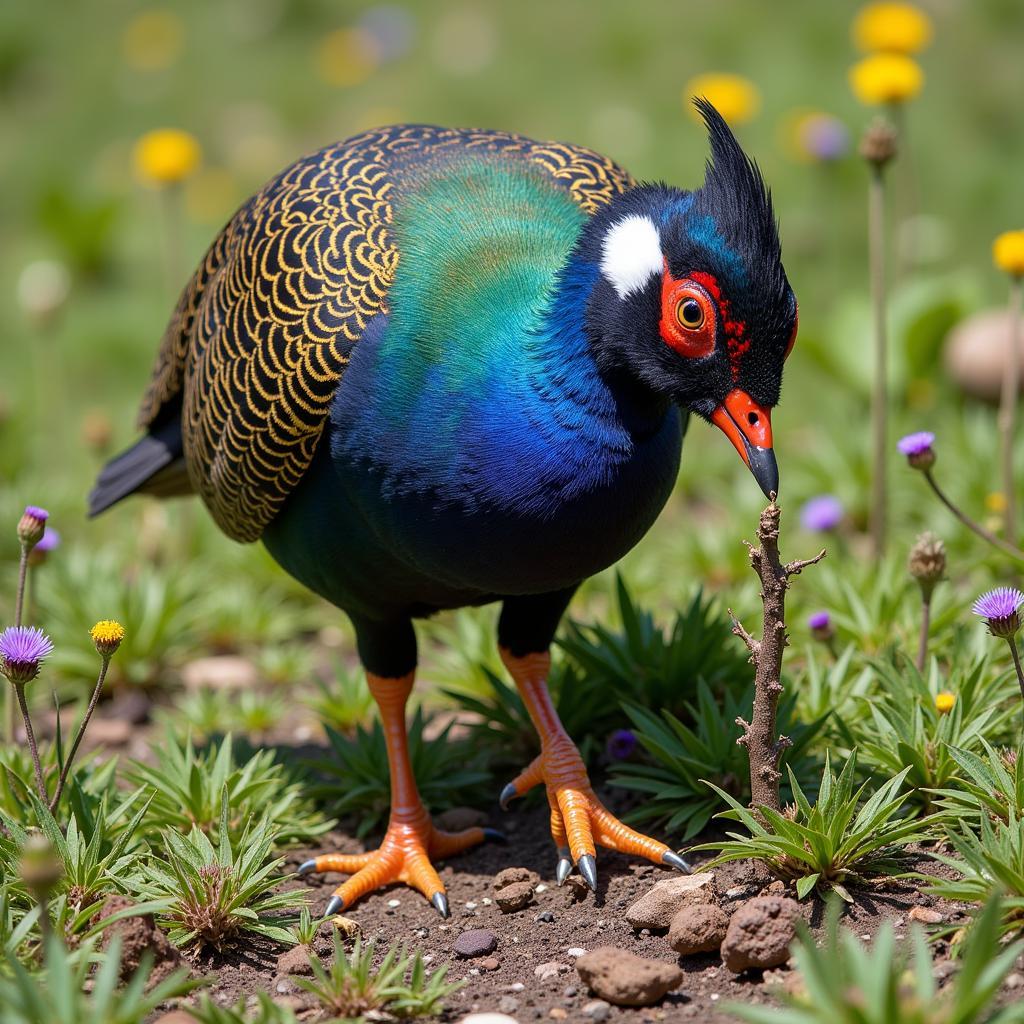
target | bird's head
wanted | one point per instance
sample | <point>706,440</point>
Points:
<point>691,297</point>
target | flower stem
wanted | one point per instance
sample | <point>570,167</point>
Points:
<point>998,542</point>
<point>1016,664</point>
<point>926,622</point>
<point>1008,412</point>
<point>10,713</point>
<point>93,701</point>
<point>19,689</point>
<point>880,389</point>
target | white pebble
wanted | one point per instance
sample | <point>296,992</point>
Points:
<point>575,951</point>
<point>486,901</point>
<point>471,905</point>
<point>488,1018</point>
<point>394,903</point>
<point>714,996</point>
<point>540,888</point>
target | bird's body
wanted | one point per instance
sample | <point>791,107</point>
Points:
<point>433,368</point>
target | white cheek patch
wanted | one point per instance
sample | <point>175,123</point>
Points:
<point>631,253</point>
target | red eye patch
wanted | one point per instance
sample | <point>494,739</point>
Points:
<point>689,320</point>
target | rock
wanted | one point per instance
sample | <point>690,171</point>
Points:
<point>514,897</point>
<point>1014,980</point>
<point>488,1018</point>
<point>977,353</point>
<point>626,979</point>
<point>558,1013</point>
<point>550,970</point>
<point>139,936</point>
<point>575,951</point>
<point>657,906</point>
<point>924,915</point>
<point>509,875</point>
<point>475,942</point>
<point>575,889</point>
<point>456,819</point>
<point>597,1009</point>
<point>295,961</point>
<point>491,963</point>
<point>759,933</point>
<point>220,672</point>
<point>508,1004</point>
<point>699,928</point>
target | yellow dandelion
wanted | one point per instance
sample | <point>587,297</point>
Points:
<point>944,702</point>
<point>107,636</point>
<point>891,28</point>
<point>166,156</point>
<point>886,78</point>
<point>734,97</point>
<point>1008,252</point>
<point>152,40</point>
<point>346,57</point>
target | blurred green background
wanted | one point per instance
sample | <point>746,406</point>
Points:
<point>260,82</point>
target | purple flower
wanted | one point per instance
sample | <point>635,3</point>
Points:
<point>1000,608</point>
<point>621,744</point>
<point>824,137</point>
<point>918,449</point>
<point>22,650</point>
<point>820,624</point>
<point>32,524</point>
<point>50,541</point>
<point>822,513</point>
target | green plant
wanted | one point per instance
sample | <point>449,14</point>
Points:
<point>66,992</point>
<point>216,893</point>
<point>356,779</point>
<point>304,931</point>
<point>843,982</point>
<point>344,702</point>
<point>266,1011</point>
<point>352,986</point>
<point>681,757</point>
<point>829,844</point>
<point>991,785</point>
<point>186,787</point>
<point>990,862</point>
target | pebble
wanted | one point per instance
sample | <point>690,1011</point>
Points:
<point>284,987</point>
<point>509,875</point>
<point>516,986</point>
<point>394,903</point>
<point>557,1013</point>
<point>700,928</point>
<point>540,888</point>
<point>491,963</point>
<point>575,951</point>
<point>514,896</point>
<point>546,916</point>
<point>549,970</point>
<point>597,1009</point>
<point>626,979</point>
<point>1014,980</point>
<point>294,961</point>
<point>470,905</point>
<point>475,942</point>
<point>488,1018</point>
<point>508,1004</point>
<point>925,915</point>
<point>657,906</point>
<point>760,933</point>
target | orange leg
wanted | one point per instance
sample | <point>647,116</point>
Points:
<point>411,840</point>
<point>579,821</point>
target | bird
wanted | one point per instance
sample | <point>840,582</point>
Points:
<point>431,368</point>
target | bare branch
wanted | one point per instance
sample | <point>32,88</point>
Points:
<point>795,568</point>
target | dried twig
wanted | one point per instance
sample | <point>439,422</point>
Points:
<point>764,749</point>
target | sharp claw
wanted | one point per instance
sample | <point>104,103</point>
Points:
<point>508,794</point>
<point>440,902</point>
<point>677,862</point>
<point>492,835</point>
<point>307,866</point>
<point>588,869</point>
<point>335,905</point>
<point>563,867</point>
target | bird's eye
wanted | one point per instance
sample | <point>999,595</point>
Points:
<point>690,314</point>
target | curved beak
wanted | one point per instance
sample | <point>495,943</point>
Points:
<point>749,427</point>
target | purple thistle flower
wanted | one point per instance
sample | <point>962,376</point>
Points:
<point>822,513</point>
<point>918,449</point>
<point>32,524</point>
<point>820,624</point>
<point>22,650</point>
<point>621,744</point>
<point>824,137</point>
<point>1000,608</point>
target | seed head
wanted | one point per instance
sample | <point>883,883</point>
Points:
<point>22,650</point>
<point>32,525</point>
<point>107,636</point>
<point>927,563</point>
<point>1000,608</point>
<point>918,449</point>
<point>878,143</point>
<point>40,868</point>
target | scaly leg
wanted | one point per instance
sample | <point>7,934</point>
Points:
<point>579,821</point>
<point>411,841</point>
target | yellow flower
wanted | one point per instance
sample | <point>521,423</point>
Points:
<point>944,702</point>
<point>734,97</point>
<point>166,156</point>
<point>892,28</point>
<point>1008,252</point>
<point>107,636</point>
<point>886,78</point>
<point>346,57</point>
<point>995,502</point>
<point>152,40</point>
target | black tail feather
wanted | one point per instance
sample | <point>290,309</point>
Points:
<point>154,465</point>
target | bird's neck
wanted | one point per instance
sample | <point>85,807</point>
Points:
<point>571,348</point>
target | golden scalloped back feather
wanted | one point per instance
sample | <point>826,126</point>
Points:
<point>262,333</point>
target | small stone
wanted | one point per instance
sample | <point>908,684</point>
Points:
<point>475,942</point>
<point>514,896</point>
<point>284,986</point>
<point>657,907</point>
<point>570,992</point>
<point>698,929</point>
<point>1014,980</point>
<point>394,903</point>
<point>491,963</point>
<point>575,951</point>
<point>458,819</point>
<point>557,1013</point>
<point>626,979</point>
<point>597,1009</point>
<point>509,875</point>
<point>517,986</point>
<point>546,917</point>
<point>576,890</point>
<point>488,1018</point>
<point>549,970</point>
<point>943,969</point>
<point>295,961</point>
<point>735,892</point>
<point>760,933</point>
<point>470,905</point>
<point>924,915</point>
<point>540,888</point>
<point>346,926</point>
<point>508,1004</point>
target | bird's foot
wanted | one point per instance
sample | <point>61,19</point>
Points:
<point>579,821</point>
<point>405,856</point>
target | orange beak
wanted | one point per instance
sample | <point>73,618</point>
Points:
<point>749,427</point>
